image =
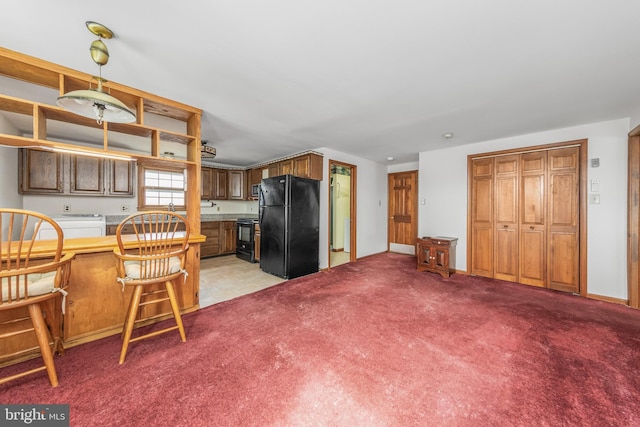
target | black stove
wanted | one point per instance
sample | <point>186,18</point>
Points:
<point>246,239</point>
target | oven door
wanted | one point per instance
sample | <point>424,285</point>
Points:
<point>244,245</point>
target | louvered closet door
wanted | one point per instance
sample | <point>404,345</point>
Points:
<point>563,247</point>
<point>482,217</point>
<point>506,218</point>
<point>533,242</point>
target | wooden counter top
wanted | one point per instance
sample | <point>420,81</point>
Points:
<point>87,245</point>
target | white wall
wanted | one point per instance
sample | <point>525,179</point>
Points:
<point>403,167</point>
<point>371,205</point>
<point>9,197</point>
<point>443,183</point>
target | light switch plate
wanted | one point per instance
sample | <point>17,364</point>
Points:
<point>594,199</point>
<point>595,185</point>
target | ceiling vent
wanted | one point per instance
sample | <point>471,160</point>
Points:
<point>207,152</point>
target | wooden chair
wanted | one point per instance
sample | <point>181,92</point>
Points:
<point>31,280</point>
<point>153,253</point>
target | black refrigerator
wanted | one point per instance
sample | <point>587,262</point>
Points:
<point>289,226</point>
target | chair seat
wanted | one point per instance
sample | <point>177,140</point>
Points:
<point>38,284</point>
<point>150,269</point>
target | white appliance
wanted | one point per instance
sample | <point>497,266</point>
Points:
<point>74,225</point>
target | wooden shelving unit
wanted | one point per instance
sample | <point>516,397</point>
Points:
<point>47,120</point>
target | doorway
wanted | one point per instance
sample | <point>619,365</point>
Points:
<point>342,213</point>
<point>403,212</point>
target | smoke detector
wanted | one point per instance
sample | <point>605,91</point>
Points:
<point>207,152</point>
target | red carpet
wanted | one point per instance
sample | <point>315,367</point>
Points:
<point>373,343</point>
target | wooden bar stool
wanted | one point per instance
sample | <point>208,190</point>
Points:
<point>32,280</point>
<point>151,250</point>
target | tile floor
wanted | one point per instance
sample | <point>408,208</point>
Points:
<point>226,277</point>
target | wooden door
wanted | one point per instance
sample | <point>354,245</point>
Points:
<point>505,248</point>
<point>482,217</point>
<point>403,224</point>
<point>563,246</point>
<point>533,240</point>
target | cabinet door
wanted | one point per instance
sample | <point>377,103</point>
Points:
<point>256,240</point>
<point>308,166</point>
<point>211,247</point>
<point>285,167</point>
<point>220,184</point>
<point>255,176</point>
<point>440,256</point>
<point>40,172</point>
<point>120,178</point>
<point>236,185</point>
<point>229,237</point>
<point>206,184</point>
<point>274,170</point>
<point>86,175</point>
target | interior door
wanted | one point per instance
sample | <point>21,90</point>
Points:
<point>403,224</point>
<point>506,223</point>
<point>482,206</point>
<point>563,253</point>
<point>533,239</point>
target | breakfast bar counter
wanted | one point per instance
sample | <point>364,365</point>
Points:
<point>95,306</point>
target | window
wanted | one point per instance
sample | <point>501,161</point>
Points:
<point>158,187</point>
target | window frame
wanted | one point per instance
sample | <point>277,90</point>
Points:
<point>143,188</point>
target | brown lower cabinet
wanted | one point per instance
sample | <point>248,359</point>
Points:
<point>221,238</point>
<point>437,255</point>
<point>256,243</point>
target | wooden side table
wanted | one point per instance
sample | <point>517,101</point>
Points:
<point>437,254</point>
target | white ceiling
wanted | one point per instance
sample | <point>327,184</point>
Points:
<point>374,78</point>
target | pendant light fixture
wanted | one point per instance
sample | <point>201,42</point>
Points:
<point>95,103</point>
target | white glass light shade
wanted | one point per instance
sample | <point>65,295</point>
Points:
<point>98,105</point>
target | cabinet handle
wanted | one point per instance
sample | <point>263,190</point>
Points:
<point>506,226</point>
<point>531,227</point>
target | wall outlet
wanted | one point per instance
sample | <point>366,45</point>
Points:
<point>66,208</point>
<point>124,208</point>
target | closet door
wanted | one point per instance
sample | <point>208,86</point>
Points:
<point>506,218</point>
<point>563,252</point>
<point>533,231</point>
<point>482,217</point>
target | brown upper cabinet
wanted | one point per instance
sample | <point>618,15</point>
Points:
<point>45,172</point>
<point>206,184</point>
<point>235,184</point>
<point>305,166</point>
<point>222,184</point>
<point>40,172</point>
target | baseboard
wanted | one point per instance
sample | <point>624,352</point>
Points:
<point>608,299</point>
